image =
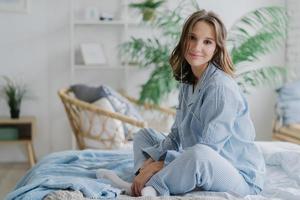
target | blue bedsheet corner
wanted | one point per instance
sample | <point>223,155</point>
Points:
<point>73,170</point>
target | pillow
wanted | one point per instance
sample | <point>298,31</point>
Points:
<point>109,131</point>
<point>123,106</point>
<point>288,103</point>
<point>119,103</point>
<point>86,93</point>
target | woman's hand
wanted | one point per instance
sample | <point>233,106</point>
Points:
<point>147,162</point>
<point>145,174</point>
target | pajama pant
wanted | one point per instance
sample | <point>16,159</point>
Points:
<point>198,167</point>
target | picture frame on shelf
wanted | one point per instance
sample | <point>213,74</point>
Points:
<point>19,6</point>
<point>91,13</point>
<point>92,54</point>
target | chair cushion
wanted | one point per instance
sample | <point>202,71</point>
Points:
<point>108,132</point>
<point>118,103</point>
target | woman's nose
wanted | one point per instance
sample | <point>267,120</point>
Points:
<point>199,46</point>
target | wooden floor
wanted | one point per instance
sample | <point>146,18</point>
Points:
<point>10,173</point>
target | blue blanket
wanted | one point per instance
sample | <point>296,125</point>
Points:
<point>74,170</point>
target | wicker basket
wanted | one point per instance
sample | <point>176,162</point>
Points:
<point>75,107</point>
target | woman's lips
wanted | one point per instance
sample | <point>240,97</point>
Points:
<point>193,55</point>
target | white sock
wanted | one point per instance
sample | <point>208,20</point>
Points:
<point>149,191</point>
<point>115,179</point>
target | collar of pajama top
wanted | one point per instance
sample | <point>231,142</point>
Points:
<point>217,115</point>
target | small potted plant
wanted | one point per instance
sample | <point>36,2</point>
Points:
<point>13,93</point>
<point>147,8</point>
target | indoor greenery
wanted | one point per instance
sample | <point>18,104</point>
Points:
<point>147,8</point>
<point>254,35</point>
<point>13,93</point>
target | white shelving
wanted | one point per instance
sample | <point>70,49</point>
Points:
<point>92,22</point>
<point>109,34</point>
<point>91,67</point>
<point>106,33</point>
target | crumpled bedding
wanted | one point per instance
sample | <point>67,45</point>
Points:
<point>282,179</point>
<point>283,170</point>
<point>76,195</point>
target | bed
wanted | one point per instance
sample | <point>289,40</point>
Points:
<point>71,175</point>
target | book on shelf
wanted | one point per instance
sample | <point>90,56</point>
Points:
<point>92,54</point>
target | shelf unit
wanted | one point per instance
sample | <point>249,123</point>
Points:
<point>109,34</point>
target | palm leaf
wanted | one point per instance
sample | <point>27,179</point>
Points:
<point>273,75</point>
<point>257,33</point>
<point>145,52</point>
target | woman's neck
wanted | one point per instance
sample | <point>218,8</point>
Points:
<point>199,70</point>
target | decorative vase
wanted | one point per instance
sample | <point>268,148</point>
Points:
<point>14,113</point>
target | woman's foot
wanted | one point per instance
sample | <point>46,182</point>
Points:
<point>149,191</point>
<point>121,184</point>
<point>115,179</point>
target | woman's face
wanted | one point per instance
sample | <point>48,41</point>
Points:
<point>201,45</point>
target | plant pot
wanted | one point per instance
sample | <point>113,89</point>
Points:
<point>14,114</point>
<point>148,14</point>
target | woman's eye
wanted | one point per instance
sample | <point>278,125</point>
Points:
<point>192,37</point>
<point>207,42</point>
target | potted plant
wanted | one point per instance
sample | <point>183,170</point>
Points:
<point>13,93</point>
<point>254,35</point>
<point>148,8</point>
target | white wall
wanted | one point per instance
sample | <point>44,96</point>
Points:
<point>24,54</point>
<point>35,46</point>
<point>293,40</point>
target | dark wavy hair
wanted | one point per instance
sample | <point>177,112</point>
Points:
<point>221,56</point>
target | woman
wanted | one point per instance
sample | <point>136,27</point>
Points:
<point>211,144</point>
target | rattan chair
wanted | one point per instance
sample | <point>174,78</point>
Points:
<point>75,107</point>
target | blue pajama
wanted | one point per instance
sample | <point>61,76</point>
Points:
<point>211,143</point>
<point>198,166</point>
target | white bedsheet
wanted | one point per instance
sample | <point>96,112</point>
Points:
<point>283,172</point>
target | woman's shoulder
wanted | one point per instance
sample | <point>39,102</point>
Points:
<point>224,86</point>
<point>221,79</point>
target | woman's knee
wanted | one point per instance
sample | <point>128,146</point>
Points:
<point>140,134</point>
<point>143,133</point>
<point>147,135</point>
<point>201,152</point>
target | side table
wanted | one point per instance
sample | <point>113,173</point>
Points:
<point>26,127</point>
